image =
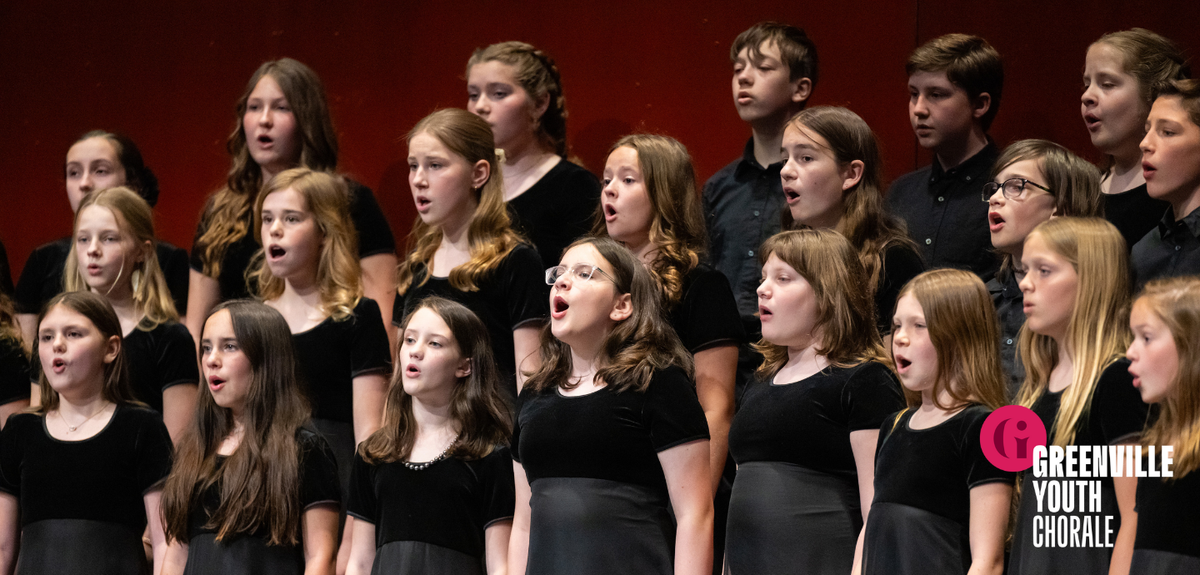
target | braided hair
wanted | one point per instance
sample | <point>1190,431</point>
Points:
<point>538,75</point>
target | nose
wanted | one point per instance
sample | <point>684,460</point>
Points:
<point>997,198</point>
<point>58,343</point>
<point>85,182</point>
<point>1088,98</point>
<point>482,105</point>
<point>788,172</point>
<point>920,106</point>
<point>93,247</point>
<point>899,337</point>
<point>275,227</point>
<point>264,116</point>
<point>1026,284</point>
<point>1147,143</point>
<point>1131,351</point>
<point>763,291</point>
<point>610,189</point>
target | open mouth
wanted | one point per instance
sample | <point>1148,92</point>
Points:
<point>422,203</point>
<point>995,222</point>
<point>763,312</point>
<point>1091,120</point>
<point>610,212</point>
<point>791,195</point>
<point>215,383</point>
<point>902,363</point>
<point>58,365</point>
<point>558,307</point>
<point>411,370</point>
<point>276,252</point>
<point>1147,169</point>
<point>265,140</point>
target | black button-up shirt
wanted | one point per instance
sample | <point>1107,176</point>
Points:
<point>1172,249</point>
<point>743,206</point>
<point>1010,310</point>
<point>946,215</point>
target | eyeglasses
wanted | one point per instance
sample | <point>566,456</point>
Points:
<point>578,271</point>
<point>1013,188</point>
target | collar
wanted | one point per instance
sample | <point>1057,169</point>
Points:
<point>750,163</point>
<point>973,170</point>
<point>1167,226</point>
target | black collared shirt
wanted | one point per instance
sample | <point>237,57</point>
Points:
<point>946,215</point>
<point>1170,250</point>
<point>1010,310</point>
<point>743,206</point>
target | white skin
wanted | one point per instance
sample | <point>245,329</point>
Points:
<point>74,353</point>
<point>107,255</point>
<point>945,119</point>
<point>788,309</point>
<point>228,375</point>
<point>274,142</point>
<point>1171,156</point>
<point>814,182</point>
<point>583,313</point>
<point>1153,356</point>
<point>433,366</point>
<point>441,183</point>
<point>1011,221</point>
<point>916,363</point>
<point>628,214</point>
<point>765,97</point>
<point>494,94</point>
<point>1114,113</point>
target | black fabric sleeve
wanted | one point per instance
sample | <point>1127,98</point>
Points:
<point>11,453</point>
<point>1117,407</point>
<point>27,297</point>
<point>370,353</point>
<point>174,263</point>
<point>401,300</point>
<point>901,264</point>
<point>319,472</point>
<point>177,357</point>
<point>870,396</point>
<point>708,313</point>
<point>201,226</point>
<point>153,450</point>
<point>977,469</point>
<point>499,490</point>
<point>15,371</point>
<point>527,296</point>
<point>672,411</point>
<point>374,233</point>
<point>6,285</point>
<point>363,503</point>
<point>514,443</point>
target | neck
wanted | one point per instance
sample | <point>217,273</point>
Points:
<point>803,361</point>
<point>585,362</point>
<point>85,403</point>
<point>523,153</point>
<point>951,155</point>
<point>1065,357</point>
<point>1126,174</point>
<point>768,139</point>
<point>645,251</point>
<point>302,287</point>
<point>929,405</point>
<point>432,416</point>
<point>1187,205</point>
<point>826,221</point>
<point>128,312</point>
<point>455,233</point>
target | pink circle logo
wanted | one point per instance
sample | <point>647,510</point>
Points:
<point>1009,435</point>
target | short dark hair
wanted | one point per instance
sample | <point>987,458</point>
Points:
<point>969,63</point>
<point>796,49</point>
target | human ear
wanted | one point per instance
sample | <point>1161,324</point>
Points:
<point>114,347</point>
<point>852,174</point>
<point>464,368</point>
<point>802,90</point>
<point>480,173</point>
<point>622,308</point>
<point>539,108</point>
<point>982,104</point>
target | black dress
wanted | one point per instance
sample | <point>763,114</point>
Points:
<point>160,358</point>
<point>901,263</point>
<point>15,371</point>
<point>1117,415</point>
<point>374,238</point>
<point>1168,535</point>
<point>706,315</point>
<point>920,517</point>
<point>249,554</point>
<point>1133,212</point>
<point>432,521</point>
<point>556,210</point>
<point>511,295</point>
<point>42,277</point>
<point>82,502</point>
<point>329,357</point>
<point>599,501</point>
<point>795,504</point>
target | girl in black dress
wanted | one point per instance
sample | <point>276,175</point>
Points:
<point>252,490</point>
<point>282,122</point>
<point>113,255</point>
<point>1076,300</point>
<point>940,507</point>
<point>610,438</point>
<point>516,88</point>
<point>1120,73</point>
<point>804,438</point>
<point>96,161</point>
<point>832,179</point>
<point>14,363</point>
<point>433,489</point>
<point>462,246</point>
<point>1165,364</point>
<point>81,476</point>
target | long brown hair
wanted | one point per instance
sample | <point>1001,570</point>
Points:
<point>845,311</point>
<point>963,328</point>
<point>9,329</point>
<point>327,198</point>
<point>97,310</point>
<point>538,75</point>
<point>226,215</point>
<point>477,403</point>
<point>490,230</point>
<point>677,225</point>
<point>636,346</point>
<point>260,481</point>
<point>1176,301</point>
<point>138,177</point>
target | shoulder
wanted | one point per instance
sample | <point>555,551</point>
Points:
<point>910,182</point>
<point>20,423</point>
<point>671,381</point>
<point>900,256</point>
<point>521,256</point>
<point>47,253</point>
<point>139,415</point>
<point>572,173</point>
<point>366,307</point>
<point>866,371</point>
<point>1116,373</point>
<point>722,178</point>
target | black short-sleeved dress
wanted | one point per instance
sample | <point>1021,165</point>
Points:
<point>374,238</point>
<point>599,501</point>
<point>556,210</point>
<point>330,356</point>
<point>1133,212</point>
<point>15,371</point>
<point>920,517</point>
<point>1116,415</point>
<point>706,315</point>
<point>432,521</point>
<point>901,263</point>
<point>795,505</point>
<point>42,277</point>
<point>249,554</point>
<point>1168,534</point>
<point>82,502</point>
<point>511,295</point>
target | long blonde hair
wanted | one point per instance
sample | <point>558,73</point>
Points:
<point>327,198</point>
<point>1097,332</point>
<point>151,295</point>
<point>1176,301</point>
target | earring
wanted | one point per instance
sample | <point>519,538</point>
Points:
<point>135,278</point>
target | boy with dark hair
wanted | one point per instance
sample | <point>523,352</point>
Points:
<point>954,85</point>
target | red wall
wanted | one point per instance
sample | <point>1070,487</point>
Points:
<point>169,76</point>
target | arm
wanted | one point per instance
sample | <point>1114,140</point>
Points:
<point>11,408</point>
<point>862,443</point>
<point>10,532</point>
<point>716,369</point>
<point>362,548</point>
<point>204,293</point>
<point>379,284</point>
<point>179,401</point>
<point>158,541</point>
<point>686,470</point>
<point>319,525</point>
<point>495,542</point>
<point>370,391</point>
<point>525,345</point>
<point>28,323</point>
<point>990,504</point>
<point>1126,488</point>
<point>518,542</point>
<point>175,558</point>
